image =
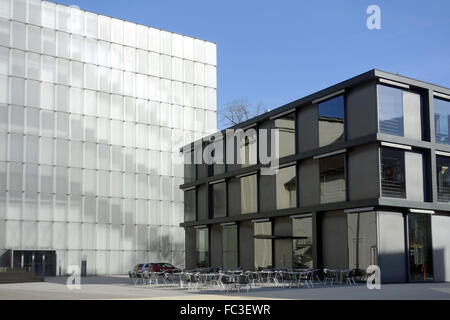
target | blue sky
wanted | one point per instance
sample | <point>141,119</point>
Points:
<point>274,52</point>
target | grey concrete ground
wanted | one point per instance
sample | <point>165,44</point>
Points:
<point>122,288</point>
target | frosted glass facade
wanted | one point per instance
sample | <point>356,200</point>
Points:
<point>93,112</point>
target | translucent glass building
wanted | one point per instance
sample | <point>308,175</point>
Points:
<point>93,112</point>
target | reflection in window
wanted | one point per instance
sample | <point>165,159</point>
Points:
<point>249,194</point>
<point>286,129</point>
<point>286,188</point>
<point>218,168</point>
<point>263,245</point>
<point>302,248</point>
<point>203,248</point>
<point>219,200</point>
<point>248,149</point>
<point>393,173</point>
<point>443,179</point>
<point>390,104</point>
<point>332,179</point>
<point>442,120</point>
<point>190,212</point>
<point>230,247</point>
<point>189,166</point>
<point>362,240</point>
<point>331,121</point>
<point>420,247</point>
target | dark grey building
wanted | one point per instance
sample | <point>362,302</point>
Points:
<point>364,180</point>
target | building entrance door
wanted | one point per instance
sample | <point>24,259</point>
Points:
<point>420,248</point>
<point>42,263</point>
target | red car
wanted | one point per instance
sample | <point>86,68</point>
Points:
<point>162,267</point>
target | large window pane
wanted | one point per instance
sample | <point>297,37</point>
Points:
<point>230,247</point>
<point>332,179</point>
<point>443,179</point>
<point>331,121</point>
<point>219,200</point>
<point>390,104</point>
<point>190,212</point>
<point>302,248</point>
<point>442,120</point>
<point>420,247</point>
<point>286,129</point>
<point>393,173</point>
<point>249,194</point>
<point>203,248</point>
<point>263,245</point>
<point>286,188</point>
<point>362,240</point>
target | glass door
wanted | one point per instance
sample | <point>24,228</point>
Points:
<point>420,248</point>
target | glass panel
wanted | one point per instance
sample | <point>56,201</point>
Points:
<point>90,51</point>
<point>286,188</point>
<point>49,42</point>
<point>362,240</point>
<point>76,154</point>
<point>190,206</point>
<point>249,194</point>
<point>203,248</point>
<point>263,246</point>
<point>420,247</point>
<point>63,44</point>
<point>230,247</point>
<point>393,183</point>
<point>5,33</point>
<point>4,61</point>
<point>390,105</point>
<point>211,53</point>
<point>331,121</point>
<point>5,9</point>
<point>63,18</point>
<point>16,145</point>
<point>62,125</point>
<point>18,37</point>
<point>104,31</point>
<point>442,120</point>
<point>443,178</point>
<point>302,247</point>
<point>18,63</point>
<point>332,179</point>
<point>219,200</point>
<point>32,149</point>
<point>47,151</point>
<point>17,88</point>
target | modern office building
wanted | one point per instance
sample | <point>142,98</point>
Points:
<point>93,111</point>
<point>364,180</point>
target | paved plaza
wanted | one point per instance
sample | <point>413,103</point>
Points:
<point>113,288</point>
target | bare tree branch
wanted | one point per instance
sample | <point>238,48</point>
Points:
<point>238,111</point>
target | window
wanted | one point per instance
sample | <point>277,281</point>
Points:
<point>190,205</point>
<point>390,101</point>
<point>203,248</point>
<point>362,239</point>
<point>286,129</point>
<point>189,166</point>
<point>302,247</point>
<point>263,245</point>
<point>219,200</point>
<point>249,194</point>
<point>248,149</point>
<point>332,179</point>
<point>420,247</point>
<point>442,120</point>
<point>230,247</point>
<point>331,121</point>
<point>443,179</point>
<point>393,173</point>
<point>286,188</point>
